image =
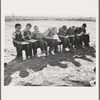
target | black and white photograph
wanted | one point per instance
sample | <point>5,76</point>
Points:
<point>50,43</point>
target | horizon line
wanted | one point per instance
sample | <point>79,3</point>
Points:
<point>50,16</point>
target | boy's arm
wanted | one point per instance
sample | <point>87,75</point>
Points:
<point>13,37</point>
<point>26,40</point>
<point>60,35</point>
<point>23,37</point>
<point>80,34</point>
<point>67,34</point>
<point>16,41</point>
<point>38,35</point>
<point>23,34</point>
<point>33,35</point>
<point>85,32</point>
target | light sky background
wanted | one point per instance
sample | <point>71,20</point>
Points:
<point>62,8</point>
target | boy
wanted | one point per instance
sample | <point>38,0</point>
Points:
<point>40,43</point>
<point>78,37</point>
<point>50,36</point>
<point>71,33</point>
<point>17,39</point>
<point>86,37</point>
<point>64,40</point>
<point>27,36</point>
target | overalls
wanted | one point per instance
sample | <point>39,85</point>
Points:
<point>19,47</point>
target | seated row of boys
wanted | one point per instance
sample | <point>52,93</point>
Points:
<point>71,38</point>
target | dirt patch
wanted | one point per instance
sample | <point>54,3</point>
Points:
<point>83,64</point>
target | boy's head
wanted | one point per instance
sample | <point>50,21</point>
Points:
<point>36,28</point>
<point>64,28</point>
<point>84,25</point>
<point>28,26</point>
<point>80,29</point>
<point>73,28</point>
<point>76,30</point>
<point>54,30</point>
<point>60,29</point>
<point>18,27</point>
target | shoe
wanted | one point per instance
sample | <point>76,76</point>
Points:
<point>31,56</point>
<point>71,51</point>
<point>56,52</point>
<point>17,57</point>
<point>50,53</point>
<point>64,51</point>
<point>42,52</point>
<point>35,56</point>
<point>27,57</point>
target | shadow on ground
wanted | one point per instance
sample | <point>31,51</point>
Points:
<point>37,64</point>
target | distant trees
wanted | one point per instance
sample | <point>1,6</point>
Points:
<point>23,18</point>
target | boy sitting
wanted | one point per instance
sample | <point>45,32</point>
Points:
<point>40,43</point>
<point>78,37</point>
<point>17,41</point>
<point>71,34</point>
<point>27,36</point>
<point>50,36</point>
<point>63,37</point>
<point>86,37</point>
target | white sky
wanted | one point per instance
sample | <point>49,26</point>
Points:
<point>83,8</point>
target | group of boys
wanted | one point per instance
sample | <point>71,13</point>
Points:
<point>72,38</point>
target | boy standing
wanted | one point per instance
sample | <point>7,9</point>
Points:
<point>17,39</point>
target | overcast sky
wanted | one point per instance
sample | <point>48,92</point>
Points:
<point>62,8</point>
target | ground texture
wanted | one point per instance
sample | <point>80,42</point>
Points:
<point>63,69</point>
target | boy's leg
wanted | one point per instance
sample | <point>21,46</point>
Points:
<point>55,46</point>
<point>15,45</point>
<point>80,41</point>
<point>69,44</point>
<point>76,42</point>
<point>63,41</point>
<point>70,41</point>
<point>35,46</point>
<point>50,49</point>
<point>50,44</point>
<point>64,44</point>
<point>86,39</point>
<point>45,47</point>
<point>73,43</point>
<point>41,44</point>
<point>30,49</point>
<point>19,50</point>
<point>26,48</point>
